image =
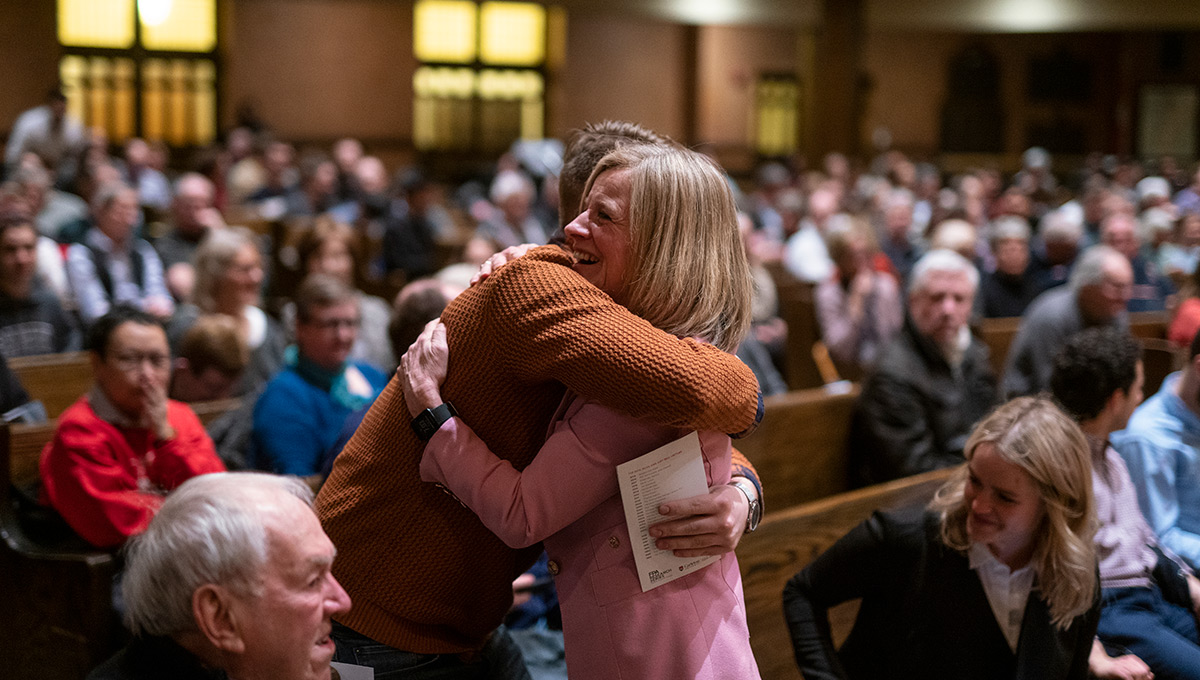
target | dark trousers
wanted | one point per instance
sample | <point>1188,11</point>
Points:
<point>1162,634</point>
<point>500,659</point>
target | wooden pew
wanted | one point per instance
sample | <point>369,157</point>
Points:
<point>57,380</point>
<point>1160,358</point>
<point>208,411</point>
<point>998,334</point>
<point>800,449</point>
<point>787,541</point>
<point>56,614</point>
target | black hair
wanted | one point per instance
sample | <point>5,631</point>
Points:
<point>1091,366</point>
<point>100,333</point>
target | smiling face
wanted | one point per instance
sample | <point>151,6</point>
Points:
<point>287,635</point>
<point>1004,506</point>
<point>599,237</point>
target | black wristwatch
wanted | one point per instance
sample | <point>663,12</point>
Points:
<point>428,421</point>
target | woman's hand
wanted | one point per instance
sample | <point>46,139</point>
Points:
<point>709,524</point>
<point>500,259</point>
<point>1126,667</point>
<point>423,368</point>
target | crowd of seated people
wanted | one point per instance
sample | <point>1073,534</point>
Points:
<point>903,261</point>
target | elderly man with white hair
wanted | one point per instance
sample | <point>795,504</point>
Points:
<point>1097,294</point>
<point>232,579</point>
<point>1009,288</point>
<point>932,383</point>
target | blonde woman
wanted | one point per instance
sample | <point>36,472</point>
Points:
<point>659,235</point>
<point>229,278</point>
<point>995,579</point>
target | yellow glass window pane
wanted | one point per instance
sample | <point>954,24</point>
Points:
<point>153,106</point>
<point>512,33</point>
<point>444,30</point>
<point>509,84</point>
<point>71,72</point>
<point>98,92</point>
<point>204,103</point>
<point>177,108</point>
<point>433,81</point>
<point>95,23</point>
<point>180,25</point>
<point>776,116</point>
<point>533,119</point>
<point>122,101</point>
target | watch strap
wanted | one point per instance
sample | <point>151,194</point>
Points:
<point>754,516</point>
<point>430,420</point>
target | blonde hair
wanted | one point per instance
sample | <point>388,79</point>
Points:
<point>1033,434</point>
<point>211,260</point>
<point>687,271</point>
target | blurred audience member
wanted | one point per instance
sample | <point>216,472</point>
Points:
<point>1160,445</point>
<point>1060,234</point>
<point>111,265</point>
<point>301,410</point>
<point>119,449</point>
<point>229,277</point>
<point>32,321</point>
<point>51,207</point>
<point>513,222</point>
<point>1178,258</point>
<point>1097,296</point>
<point>1009,289</point>
<point>897,223</point>
<point>154,191</point>
<point>805,255</point>
<point>332,248</point>
<point>210,360</point>
<point>859,309</point>
<point>1150,289</point>
<point>409,236</point>
<point>192,217</point>
<point>48,131</point>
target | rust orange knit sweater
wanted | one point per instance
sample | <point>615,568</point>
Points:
<point>423,573</point>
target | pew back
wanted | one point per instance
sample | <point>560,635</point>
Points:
<point>800,449</point>
<point>57,380</point>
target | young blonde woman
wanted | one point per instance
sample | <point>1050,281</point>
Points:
<point>995,579</point>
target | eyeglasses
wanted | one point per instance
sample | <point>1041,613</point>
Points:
<point>134,361</point>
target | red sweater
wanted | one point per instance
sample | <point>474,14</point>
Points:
<point>107,482</point>
<point>423,572</point>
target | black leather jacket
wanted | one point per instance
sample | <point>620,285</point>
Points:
<point>916,412</point>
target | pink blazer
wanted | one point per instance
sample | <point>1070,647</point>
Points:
<point>568,498</point>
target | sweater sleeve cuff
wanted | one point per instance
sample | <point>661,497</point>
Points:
<point>758,416</point>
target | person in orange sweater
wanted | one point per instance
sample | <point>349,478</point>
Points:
<point>428,579</point>
<point>120,448</point>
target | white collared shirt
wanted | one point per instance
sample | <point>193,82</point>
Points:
<point>1007,591</point>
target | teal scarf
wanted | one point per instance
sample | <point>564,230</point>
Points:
<point>333,382</point>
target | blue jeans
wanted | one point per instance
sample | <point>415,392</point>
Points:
<point>1162,634</point>
<point>543,652</point>
<point>500,659</point>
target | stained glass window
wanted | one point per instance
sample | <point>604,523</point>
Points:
<point>137,79</point>
<point>461,100</point>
